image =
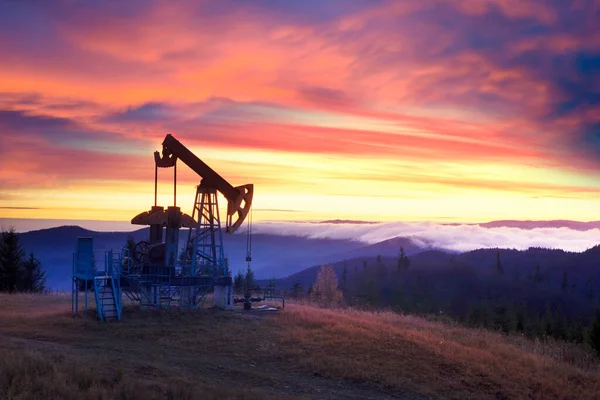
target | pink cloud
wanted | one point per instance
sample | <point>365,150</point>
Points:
<point>496,81</point>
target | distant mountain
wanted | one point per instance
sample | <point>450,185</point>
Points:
<point>273,255</point>
<point>54,247</point>
<point>388,248</point>
<point>280,255</point>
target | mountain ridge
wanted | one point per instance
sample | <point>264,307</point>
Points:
<point>274,255</point>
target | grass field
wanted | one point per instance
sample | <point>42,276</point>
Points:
<point>299,352</point>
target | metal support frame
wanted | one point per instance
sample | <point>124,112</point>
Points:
<point>207,256</point>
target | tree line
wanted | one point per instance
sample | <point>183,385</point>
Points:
<point>540,304</point>
<point>19,272</point>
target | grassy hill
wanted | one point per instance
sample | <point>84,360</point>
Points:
<point>299,352</point>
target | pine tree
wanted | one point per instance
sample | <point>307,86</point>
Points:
<point>593,334</point>
<point>521,318</point>
<point>297,290</point>
<point>403,261</point>
<point>249,279</point>
<point>33,277</point>
<point>511,318</point>
<point>590,293</point>
<point>538,277</point>
<point>11,260</point>
<point>500,318</point>
<point>487,315</point>
<point>498,266</point>
<point>239,282</point>
<point>548,322</point>
<point>130,245</point>
<point>565,281</point>
<point>475,315</point>
<point>371,294</point>
<point>559,329</point>
<point>344,285</point>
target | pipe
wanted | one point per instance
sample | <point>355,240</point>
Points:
<point>155,184</point>
<point>175,185</point>
<point>276,297</point>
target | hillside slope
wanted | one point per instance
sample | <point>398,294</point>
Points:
<point>299,352</point>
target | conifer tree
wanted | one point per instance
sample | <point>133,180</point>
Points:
<point>548,321</point>
<point>11,260</point>
<point>538,277</point>
<point>565,281</point>
<point>559,328</point>
<point>593,334</point>
<point>403,261</point>
<point>239,282</point>
<point>249,278</point>
<point>498,266</point>
<point>130,245</point>
<point>344,284</point>
<point>521,318</point>
<point>33,277</point>
<point>297,290</point>
<point>590,293</point>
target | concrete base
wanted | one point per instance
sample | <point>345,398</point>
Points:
<point>223,298</point>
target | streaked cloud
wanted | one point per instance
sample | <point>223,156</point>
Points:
<point>446,100</point>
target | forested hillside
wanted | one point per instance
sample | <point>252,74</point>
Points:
<point>539,292</point>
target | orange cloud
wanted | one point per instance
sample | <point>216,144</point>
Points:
<point>415,96</point>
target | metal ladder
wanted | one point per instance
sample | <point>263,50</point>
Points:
<point>107,292</point>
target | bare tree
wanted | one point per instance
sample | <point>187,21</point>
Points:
<point>325,289</point>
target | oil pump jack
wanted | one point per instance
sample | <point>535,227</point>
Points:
<point>157,272</point>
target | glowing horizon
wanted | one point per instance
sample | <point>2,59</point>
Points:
<point>450,110</point>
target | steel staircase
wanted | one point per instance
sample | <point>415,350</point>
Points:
<point>108,298</point>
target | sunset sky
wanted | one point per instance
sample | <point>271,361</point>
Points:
<point>442,110</point>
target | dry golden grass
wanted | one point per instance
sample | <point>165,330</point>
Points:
<point>405,353</point>
<point>152,354</point>
<point>34,374</point>
<point>300,351</point>
<point>48,354</point>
